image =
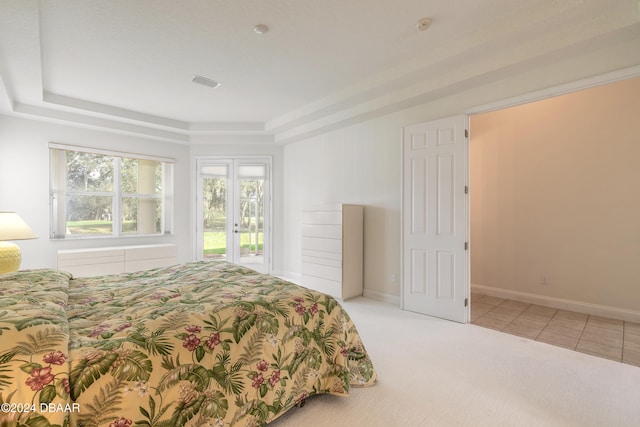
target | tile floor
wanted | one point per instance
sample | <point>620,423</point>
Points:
<point>599,336</point>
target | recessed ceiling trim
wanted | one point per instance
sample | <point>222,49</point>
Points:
<point>564,89</point>
<point>226,127</point>
<point>67,117</point>
<point>112,112</point>
<point>433,87</point>
<point>232,139</point>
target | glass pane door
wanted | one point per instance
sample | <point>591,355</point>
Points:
<point>233,213</point>
<point>250,213</point>
<point>213,238</point>
<point>214,218</point>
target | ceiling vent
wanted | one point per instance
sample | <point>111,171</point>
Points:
<point>205,81</point>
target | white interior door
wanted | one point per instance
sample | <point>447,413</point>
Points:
<point>435,219</point>
<point>233,211</point>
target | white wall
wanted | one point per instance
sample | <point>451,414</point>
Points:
<point>361,163</point>
<point>24,184</point>
<point>358,165</point>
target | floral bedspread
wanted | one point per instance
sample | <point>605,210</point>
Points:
<point>34,348</point>
<point>203,344</point>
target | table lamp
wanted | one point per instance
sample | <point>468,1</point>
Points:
<point>12,227</point>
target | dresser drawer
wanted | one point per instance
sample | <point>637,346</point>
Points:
<point>71,258</point>
<point>322,245</point>
<point>322,217</point>
<point>322,254</point>
<point>322,271</point>
<point>137,253</point>
<point>324,231</point>
<point>115,260</point>
<point>335,263</point>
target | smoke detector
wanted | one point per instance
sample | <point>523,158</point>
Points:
<point>424,24</point>
<point>261,29</point>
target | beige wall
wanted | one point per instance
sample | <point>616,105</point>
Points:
<point>555,191</point>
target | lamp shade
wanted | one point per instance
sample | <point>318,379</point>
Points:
<point>12,227</point>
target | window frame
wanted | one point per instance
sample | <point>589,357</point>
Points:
<point>58,190</point>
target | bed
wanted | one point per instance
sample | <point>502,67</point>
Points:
<point>200,344</point>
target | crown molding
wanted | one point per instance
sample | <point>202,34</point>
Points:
<point>604,58</point>
<point>80,120</point>
<point>422,81</point>
<point>247,128</point>
<point>563,89</point>
<point>92,108</point>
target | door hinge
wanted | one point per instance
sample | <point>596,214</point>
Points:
<point>466,302</point>
<point>466,189</point>
<point>466,133</point>
<point>466,245</point>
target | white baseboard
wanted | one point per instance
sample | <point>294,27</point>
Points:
<point>382,297</point>
<point>374,295</point>
<point>559,303</point>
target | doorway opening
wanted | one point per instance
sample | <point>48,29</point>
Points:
<point>233,211</point>
<point>552,220</point>
<point>540,246</point>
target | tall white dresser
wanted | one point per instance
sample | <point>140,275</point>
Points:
<point>332,249</point>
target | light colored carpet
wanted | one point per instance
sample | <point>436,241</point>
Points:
<point>438,373</point>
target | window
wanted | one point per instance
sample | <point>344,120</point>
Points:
<point>104,193</point>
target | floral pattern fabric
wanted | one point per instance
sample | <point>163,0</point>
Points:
<point>34,348</point>
<point>204,344</point>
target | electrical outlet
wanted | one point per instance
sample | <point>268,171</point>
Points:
<point>545,280</point>
<point>393,278</point>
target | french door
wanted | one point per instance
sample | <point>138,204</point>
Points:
<point>435,219</point>
<point>233,211</point>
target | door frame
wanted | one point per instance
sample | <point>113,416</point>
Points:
<point>550,92</point>
<point>197,215</point>
<point>466,212</point>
